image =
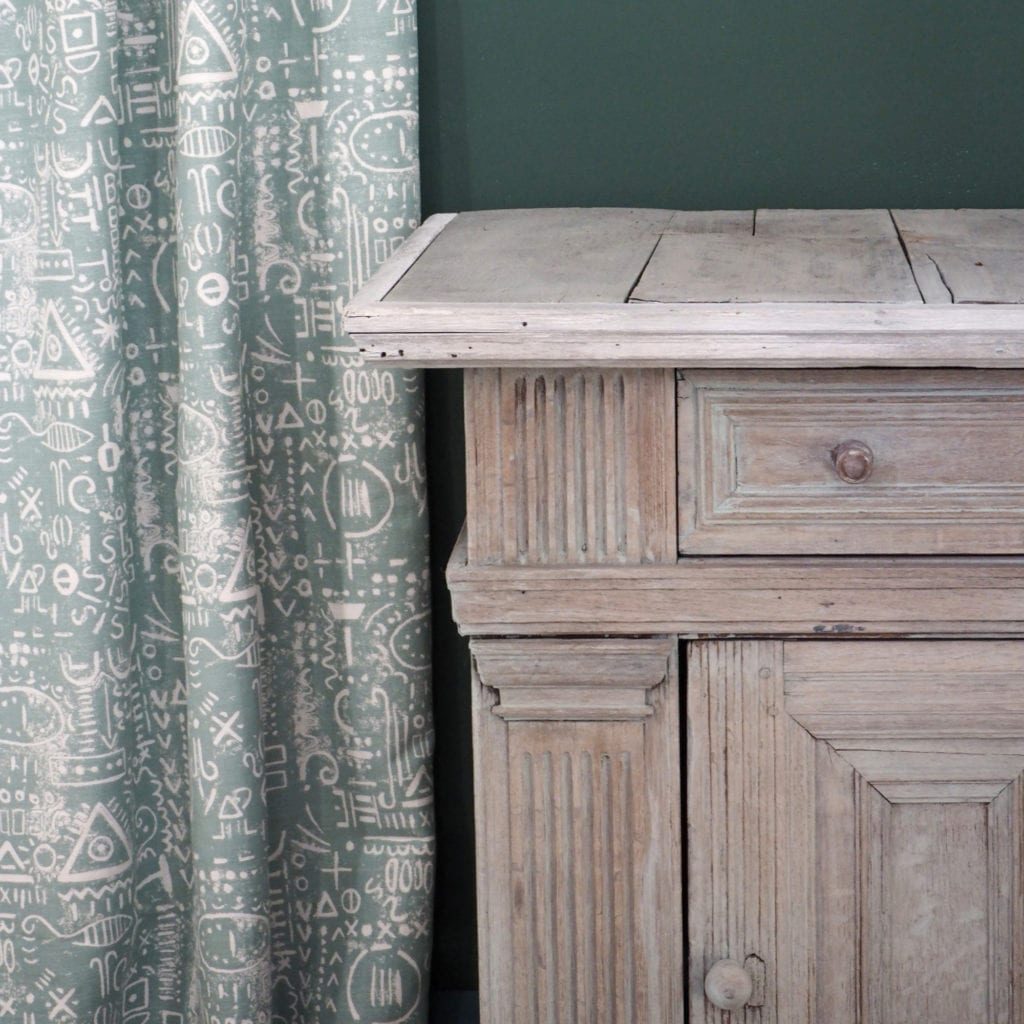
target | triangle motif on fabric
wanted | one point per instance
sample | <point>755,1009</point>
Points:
<point>60,356</point>
<point>205,57</point>
<point>101,852</point>
<point>12,867</point>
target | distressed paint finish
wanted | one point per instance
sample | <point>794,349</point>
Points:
<point>215,799</point>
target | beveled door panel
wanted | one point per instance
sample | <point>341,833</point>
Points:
<point>856,815</point>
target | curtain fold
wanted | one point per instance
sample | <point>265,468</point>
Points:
<point>215,733</point>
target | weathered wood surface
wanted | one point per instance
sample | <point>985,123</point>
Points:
<point>561,255</point>
<point>855,825</point>
<point>680,319</point>
<point>573,680</point>
<point>756,474</point>
<point>785,256</point>
<point>728,268</point>
<point>711,222</point>
<point>875,225</point>
<point>570,466</point>
<point>579,873</point>
<point>709,596</point>
<point>992,338</point>
<point>853,803</point>
<point>966,256</point>
<point>523,297</point>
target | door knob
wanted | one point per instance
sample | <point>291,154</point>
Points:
<point>853,461</point>
<point>728,985</point>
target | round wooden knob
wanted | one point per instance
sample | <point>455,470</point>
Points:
<point>728,985</point>
<point>853,461</point>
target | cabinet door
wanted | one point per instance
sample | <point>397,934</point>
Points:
<point>856,816</point>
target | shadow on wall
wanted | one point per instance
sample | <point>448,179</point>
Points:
<point>454,1008</point>
<point>454,958</point>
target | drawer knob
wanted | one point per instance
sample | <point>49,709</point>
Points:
<point>853,461</point>
<point>728,985</point>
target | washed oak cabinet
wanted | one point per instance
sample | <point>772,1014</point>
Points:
<point>743,570</point>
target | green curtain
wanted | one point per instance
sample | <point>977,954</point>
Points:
<point>215,735</point>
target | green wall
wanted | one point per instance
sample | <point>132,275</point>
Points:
<point>711,105</point>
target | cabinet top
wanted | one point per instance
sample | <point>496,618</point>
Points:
<point>723,288</point>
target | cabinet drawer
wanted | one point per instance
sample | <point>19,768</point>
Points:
<point>851,462</point>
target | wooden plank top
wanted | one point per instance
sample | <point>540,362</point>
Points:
<point>535,256</point>
<point>701,288</point>
<point>783,256</point>
<point>965,256</point>
<point>757,268</point>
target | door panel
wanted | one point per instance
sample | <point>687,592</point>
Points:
<point>856,815</point>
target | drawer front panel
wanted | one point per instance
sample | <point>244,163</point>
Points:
<point>851,462</point>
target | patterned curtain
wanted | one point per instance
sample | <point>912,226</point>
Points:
<point>215,736</point>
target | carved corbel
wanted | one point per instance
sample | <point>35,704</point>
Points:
<point>573,680</point>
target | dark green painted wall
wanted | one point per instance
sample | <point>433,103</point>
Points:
<point>717,104</point>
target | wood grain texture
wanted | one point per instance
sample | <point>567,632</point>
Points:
<point>737,829</point>
<point>492,832</point>
<point>575,680</point>
<point>965,256</point>
<point>757,477</point>
<point>579,825</point>
<point>564,255</point>
<point>524,320</point>
<point>711,222</point>
<point>777,268</point>
<point>857,906</point>
<point>826,224</point>
<point>570,467</point>
<point>995,340</point>
<point>532,288</point>
<point>855,808</point>
<point>936,886</point>
<point>707,596</point>
<point>579,857</point>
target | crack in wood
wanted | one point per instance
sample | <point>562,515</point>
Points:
<point>942,277</point>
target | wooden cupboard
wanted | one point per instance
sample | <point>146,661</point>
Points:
<point>743,573</point>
